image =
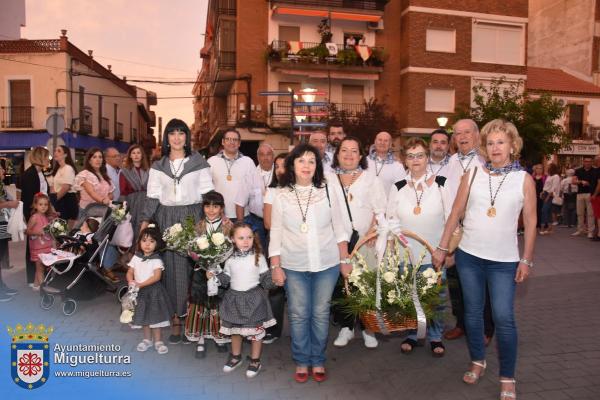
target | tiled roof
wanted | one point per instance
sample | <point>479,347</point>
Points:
<point>556,80</point>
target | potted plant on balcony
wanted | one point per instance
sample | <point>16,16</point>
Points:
<point>324,29</point>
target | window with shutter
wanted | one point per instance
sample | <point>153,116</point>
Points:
<point>20,110</point>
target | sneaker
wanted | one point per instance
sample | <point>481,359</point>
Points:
<point>555,223</point>
<point>9,291</point>
<point>185,340</point>
<point>369,338</point>
<point>175,339</point>
<point>200,350</point>
<point>5,297</point>
<point>345,335</point>
<point>36,288</point>
<point>30,285</point>
<point>254,367</point>
<point>577,233</point>
<point>269,338</point>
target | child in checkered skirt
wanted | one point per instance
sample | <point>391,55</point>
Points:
<point>245,309</point>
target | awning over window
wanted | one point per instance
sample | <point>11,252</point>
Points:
<point>27,139</point>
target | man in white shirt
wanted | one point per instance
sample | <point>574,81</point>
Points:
<point>318,139</point>
<point>113,168</point>
<point>466,139</point>
<point>250,194</point>
<point>230,169</point>
<point>383,163</point>
<point>439,144</point>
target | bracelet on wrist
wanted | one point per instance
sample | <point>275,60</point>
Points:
<point>275,266</point>
<point>346,261</point>
<point>527,262</point>
<point>442,249</point>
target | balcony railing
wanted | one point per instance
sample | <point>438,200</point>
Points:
<point>374,5</point>
<point>84,129</point>
<point>17,117</point>
<point>104,128</point>
<point>119,131</point>
<point>226,60</point>
<point>318,53</point>
<point>280,111</point>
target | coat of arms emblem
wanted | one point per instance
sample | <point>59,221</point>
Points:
<point>30,355</point>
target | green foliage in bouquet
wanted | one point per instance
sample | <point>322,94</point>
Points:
<point>177,237</point>
<point>210,249</point>
<point>396,275</point>
<point>119,213</point>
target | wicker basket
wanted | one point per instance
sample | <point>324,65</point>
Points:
<point>381,322</point>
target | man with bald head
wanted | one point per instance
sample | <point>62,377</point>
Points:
<point>318,139</point>
<point>383,163</point>
<point>113,168</point>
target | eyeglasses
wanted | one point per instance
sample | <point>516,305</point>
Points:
<point>231,140</point>
<point>416,156</point>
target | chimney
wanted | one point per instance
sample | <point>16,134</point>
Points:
<point>109,67</point>
<point>90,52</point>
<point>63,40</point>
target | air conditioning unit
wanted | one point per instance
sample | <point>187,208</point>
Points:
<point>375,26</point>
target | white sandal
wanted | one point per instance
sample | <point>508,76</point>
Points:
<point>144,345</point>
<point>474,376</point>
<point>508,394</point>
<point>161,348</point>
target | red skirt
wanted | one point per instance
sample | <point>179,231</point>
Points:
<point>596,206</point>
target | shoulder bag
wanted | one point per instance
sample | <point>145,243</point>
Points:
<point>354,237</point>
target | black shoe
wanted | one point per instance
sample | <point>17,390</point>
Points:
<point>222,348</point>
<point>200,350</point>
<point>269,338</point>
<point>5,297</point>
<point>175,339</point>
<point>596,239</point>
<point>184,339</point>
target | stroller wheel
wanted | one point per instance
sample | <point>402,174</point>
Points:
<point>121,292</point>
<point>47,301</point>
<point>69,307</point>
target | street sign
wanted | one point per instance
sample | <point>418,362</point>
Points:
<point>55,124</point>
<point>267,93</point>
<point>311,124</point>
<point>311,104</point>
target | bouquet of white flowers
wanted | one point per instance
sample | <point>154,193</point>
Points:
<point>119,212</point>
<point>210,249</point>
<point>58,227</point>
<point>178,237</point>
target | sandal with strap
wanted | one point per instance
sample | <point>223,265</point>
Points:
<point>435,346</point>
<point>412,343</point>
<point>473,376</point>
<point>254,367</point>
<point>234,361</point>
<point>508,394</point>
<point>161,348</point>
<point>144,345</point>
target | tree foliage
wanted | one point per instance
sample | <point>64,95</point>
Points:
<point>365,124</point>
<point>534,116</point>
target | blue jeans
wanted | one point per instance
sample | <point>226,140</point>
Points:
<point>435,326</point>
<point>546,212</point>
<point>309,296</point>
<point>474,272</point>
<point>111,255</point>
<point>258,227</point>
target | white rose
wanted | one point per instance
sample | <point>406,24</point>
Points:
<point>389,276</point>
<point>202,242</point>
<point>218,238</point>
<point>175,229</point>
<point>429,273</point>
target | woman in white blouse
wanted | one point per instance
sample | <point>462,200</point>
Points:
<point>549,196</point>
<point>362,196</point>
<point>420,203</point>
<point>308,249</point>
<point>63,193</point>
<point>488,253</point>
<point>176,184</point>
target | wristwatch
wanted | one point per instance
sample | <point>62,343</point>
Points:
<point>275,266</point>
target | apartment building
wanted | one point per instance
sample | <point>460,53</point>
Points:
<point>421,57</point>
<point>100,109</point>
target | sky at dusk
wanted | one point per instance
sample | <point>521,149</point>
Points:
<point>149,39</point>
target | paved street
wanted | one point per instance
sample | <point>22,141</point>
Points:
<point>559,350</point>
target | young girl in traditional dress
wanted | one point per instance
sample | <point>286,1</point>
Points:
<point>39,241</point>
<point>245,309</point>
<point>203,320</point>
<point>153,310</point>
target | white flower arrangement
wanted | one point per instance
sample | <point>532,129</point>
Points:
<point>209,250</point>
<point>119,212</point>
<point>178,236</point>
<point>56,228</point>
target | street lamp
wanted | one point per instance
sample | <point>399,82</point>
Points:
<point>442,121</point>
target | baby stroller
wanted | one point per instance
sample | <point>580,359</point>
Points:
<point>78,277</point>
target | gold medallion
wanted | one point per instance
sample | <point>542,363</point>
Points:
<point>304,227</point>
<point>417,210</point>
<point>491,212</point>
<point>229,177</point>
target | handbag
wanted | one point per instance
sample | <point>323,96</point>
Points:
<point>123,236</point>
<point>355,236</point>
<point>458,232</point>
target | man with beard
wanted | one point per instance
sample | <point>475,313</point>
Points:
<point>466,139</point>
<point>335,137</point>
<point>318,139</point>
<point>439,145</point>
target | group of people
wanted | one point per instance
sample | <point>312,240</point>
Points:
<point>295,219</point>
